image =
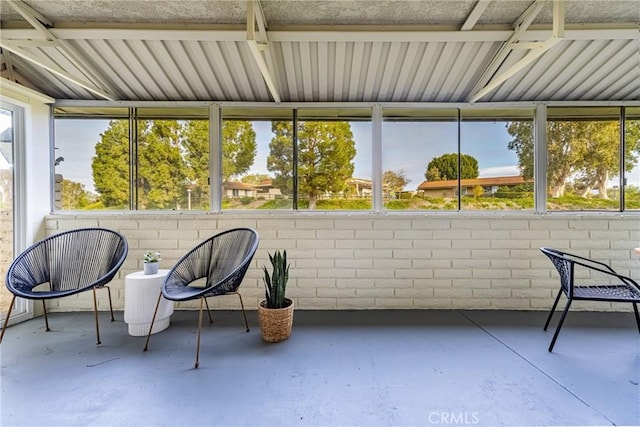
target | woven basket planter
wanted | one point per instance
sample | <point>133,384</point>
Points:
<point>275,323</point>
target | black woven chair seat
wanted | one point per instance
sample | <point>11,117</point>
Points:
<point>621,288</point>
<point>620,293</point>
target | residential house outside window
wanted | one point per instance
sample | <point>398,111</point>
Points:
<point>421,146</point>
<point>250,157</point>
<point>330,168</point>
<point>416,145</point>
<point>334,159</point>
<point>495,176</point>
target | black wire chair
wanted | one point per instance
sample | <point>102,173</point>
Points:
<point>222,260</point>
<point>65,264</point>
<point>617,288</point>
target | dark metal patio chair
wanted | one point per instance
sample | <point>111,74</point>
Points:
<point>66,264</point>
<point>616,287</point>
<point>221,262</point>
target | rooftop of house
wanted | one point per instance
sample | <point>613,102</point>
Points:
<point>492,181</point>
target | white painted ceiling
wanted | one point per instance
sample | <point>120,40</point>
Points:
<point>323,51</point>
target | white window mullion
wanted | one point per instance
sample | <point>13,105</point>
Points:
<point>215,159</point>
<point>540,158</point>
<point>376,157</point>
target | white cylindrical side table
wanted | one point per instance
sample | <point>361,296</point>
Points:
<point>140,298</point>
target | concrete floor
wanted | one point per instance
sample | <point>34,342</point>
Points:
<point>367,368</point>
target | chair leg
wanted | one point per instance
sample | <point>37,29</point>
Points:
<point>153,319</point>
<point>95,310</point>
<point>6,320</point>
<point>208,311</point>
<point>243,313</point>
<point>199,329</point>
<point>110,304</point>
<point>553,309</point>
<point>635,309</point>
<point>46,318</point>
<point>555,336</point>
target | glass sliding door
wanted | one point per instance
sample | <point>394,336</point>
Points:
<point>10,132</point>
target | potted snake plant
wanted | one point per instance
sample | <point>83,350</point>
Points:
<point>275,312</point>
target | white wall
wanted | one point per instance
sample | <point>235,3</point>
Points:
<point>34,162</point>
<point>386,261</point>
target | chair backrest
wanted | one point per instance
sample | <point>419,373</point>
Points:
<point>70,261</point>
<point>564,266</point>
<point>223,259</point>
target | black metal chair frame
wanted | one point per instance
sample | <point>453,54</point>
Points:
<point>65,264</point>
<point>207,260</point>
<point>625,290</point>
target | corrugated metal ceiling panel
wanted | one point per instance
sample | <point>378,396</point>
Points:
<point>380,71</point>
<point>390,51</point>
<point>575,70</point>
<point>47,82</point>
<point>328,71</point>
<point>176,69</point>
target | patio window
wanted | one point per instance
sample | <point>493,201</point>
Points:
<point>141,159</point>
<point>503,179</point>
<point>92,157</point>
<point>334,159</point>
<point>440,156</point>
<point>249,154</point>
<point>172,152</point>
<point>328,168</point>
<point>415,145</point>
<point>321,158</point>
<point>584,157</point>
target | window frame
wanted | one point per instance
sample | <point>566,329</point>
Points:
<point>23,308</point>
<point>377,117</point>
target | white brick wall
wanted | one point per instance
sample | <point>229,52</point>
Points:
<point>365,261</point>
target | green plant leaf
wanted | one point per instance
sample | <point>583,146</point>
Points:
<point>276,282</point>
